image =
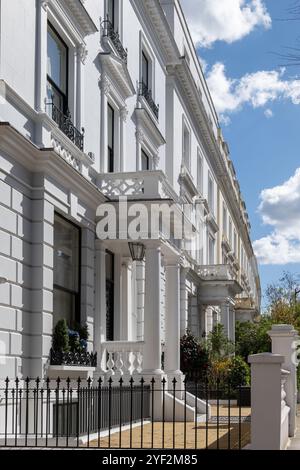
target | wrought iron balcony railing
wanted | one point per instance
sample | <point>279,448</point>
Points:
<point>84,358</point>
<point>147,94</point>
<point>109,32</point>
<point>66,125</point>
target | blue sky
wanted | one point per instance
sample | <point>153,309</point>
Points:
<point>259,105</point>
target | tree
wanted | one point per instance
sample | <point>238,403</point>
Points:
<point>283,305</point>
<point>253,338</point>
<point>217,343</point>
<point>284,291</point>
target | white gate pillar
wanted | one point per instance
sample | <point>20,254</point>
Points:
<point>269,413</point>
<point>284,342</point>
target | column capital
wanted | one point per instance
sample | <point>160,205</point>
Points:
<point>99,246</point>
<point>44,4</point>
<point>127,262</point>
<point>173,261</point>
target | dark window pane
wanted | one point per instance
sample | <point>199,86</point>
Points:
<point>110,137</point>
<point>64,306</point>
<point>109,260</point>
<point>57,53</point>
<point>145,70</point>
<point>145,161</point>
<point>109,266</point>
<point>111,11</point>
<point>66,254</point>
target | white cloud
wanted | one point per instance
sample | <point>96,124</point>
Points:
<point>256,89</point>
<point>268,113</point>
<point>280,208</point>
<point>220,20</point>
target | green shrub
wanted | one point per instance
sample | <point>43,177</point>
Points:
<point>239,372</point>
<point>193,354</point>
<point>228,370</point>
<point>60,339</point>
<point>217,343</point>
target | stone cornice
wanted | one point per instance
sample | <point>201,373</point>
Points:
<point>116,74</point>
<point>76,9</point>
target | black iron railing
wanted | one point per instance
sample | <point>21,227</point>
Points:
<point>83,358</point>
<point>109,31</point>
<point>147,94</point>
<point>119,413</point>
<point>66,125</point>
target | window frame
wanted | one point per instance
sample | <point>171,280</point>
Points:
<point>111,151</point>
<point>200,172</point>
<point>146,60</point>
<point>225,220</point>
<point>64,95</point>
<point>77,295</point>
<point>211,242</point>
<point>186,131</point>
<point>146,155</point>
<point>211,193</point>
<point>112,283</point>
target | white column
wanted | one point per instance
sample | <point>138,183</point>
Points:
<point>100,303</point>
<point>266,402</point>
<point>139,140</point>
<point>152,333</point>
<point>284,341</point>
<point>172,318</point>
<point>232,324</point>
<point>183,302</point>
<point>41,56</point>
<point>123,117</point>
<point>194,325</point>
<point>225,313</point>
<point>105,89</point>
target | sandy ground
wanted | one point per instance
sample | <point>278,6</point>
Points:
<point>189,436</point>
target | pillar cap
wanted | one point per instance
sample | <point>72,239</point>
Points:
<point>283,331</point>
<point>266,358</point>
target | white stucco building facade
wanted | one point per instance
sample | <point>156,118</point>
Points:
<point>127,72</point>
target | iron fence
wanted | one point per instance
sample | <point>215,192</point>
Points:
<point>125,413</point>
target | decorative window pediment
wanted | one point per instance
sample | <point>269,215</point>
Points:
<point>117,70</point>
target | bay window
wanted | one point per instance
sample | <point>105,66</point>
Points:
<point>66,289</point>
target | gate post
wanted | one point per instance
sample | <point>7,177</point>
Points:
<point>284,341</point>
<point>269,414</point>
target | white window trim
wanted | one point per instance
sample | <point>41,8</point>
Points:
<point>145,47</point>
<point>212,205</point>
<point>200,174</point>
<point>186,127</point>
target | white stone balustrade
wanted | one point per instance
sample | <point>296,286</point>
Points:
<point>122,357</point>
<point>145,184</point>
<point>217,272</point>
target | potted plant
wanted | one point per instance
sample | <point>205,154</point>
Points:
<point>69,345</point>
